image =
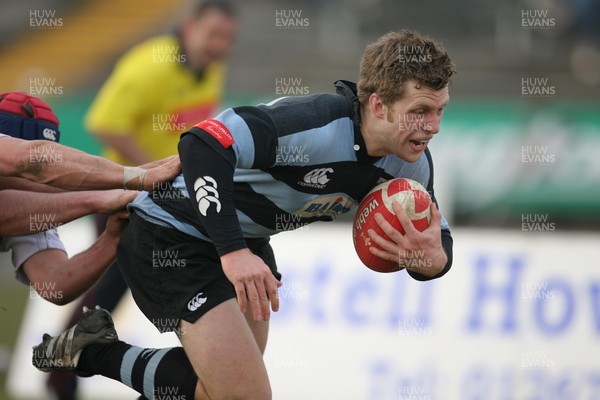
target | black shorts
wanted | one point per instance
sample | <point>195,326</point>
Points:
<point>174,276</point>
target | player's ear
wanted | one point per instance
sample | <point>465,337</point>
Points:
<point>377,107</point>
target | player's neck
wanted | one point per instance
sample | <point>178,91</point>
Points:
<point>367,128</point>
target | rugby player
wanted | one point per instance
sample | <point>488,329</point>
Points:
<point>236,186</point>
<point>138,122</point>
<point>28,124</point>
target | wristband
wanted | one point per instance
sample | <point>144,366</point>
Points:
<point>133,178</point>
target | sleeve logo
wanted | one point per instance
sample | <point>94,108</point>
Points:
<point>217,130</point>
<point>207,194</point>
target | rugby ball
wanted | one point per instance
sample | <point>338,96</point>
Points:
<point>414,200</point>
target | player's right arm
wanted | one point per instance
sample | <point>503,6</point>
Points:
<point>21,211</point>
<point>72,169</point>
<point>208,162</point>
<point>60,279</point>
<point>69,169</point>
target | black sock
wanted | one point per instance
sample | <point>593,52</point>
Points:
<point>155,373</point>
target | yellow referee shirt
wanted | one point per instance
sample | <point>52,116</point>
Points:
<point>153,98</point>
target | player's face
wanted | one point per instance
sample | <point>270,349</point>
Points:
<point>413,120</point>
<point>209,38</point>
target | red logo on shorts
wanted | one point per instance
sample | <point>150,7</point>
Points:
<point>217,130</point>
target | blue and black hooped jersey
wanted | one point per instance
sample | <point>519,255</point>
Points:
<point>294,161</point>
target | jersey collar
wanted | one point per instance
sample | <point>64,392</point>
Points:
<point>348,89</point>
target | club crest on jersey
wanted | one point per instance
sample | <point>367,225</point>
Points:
<point>327,206</point>
<point>317,178</point>
<point>207,194</point>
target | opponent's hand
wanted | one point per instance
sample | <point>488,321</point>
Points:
<point>117,222</point>
<point>110,201</point>
<point>161,171</point>
<point>253,281</point>
<point>417,251</point>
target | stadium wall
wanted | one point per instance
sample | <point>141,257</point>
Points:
<point>517,317</point>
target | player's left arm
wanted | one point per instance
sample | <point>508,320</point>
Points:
<point>20,209</point>
<point>26,185</point>
<point>425,255</point>
<point>209,154</point>
<point>60,279</point>
<point>73,169</point>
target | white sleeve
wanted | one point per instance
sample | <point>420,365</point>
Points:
<point>25,246</point>
<point>3,135</point>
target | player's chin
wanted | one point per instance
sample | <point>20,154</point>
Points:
<point>411,152</point>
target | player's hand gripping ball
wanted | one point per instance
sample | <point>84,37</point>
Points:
<point>414,200</point>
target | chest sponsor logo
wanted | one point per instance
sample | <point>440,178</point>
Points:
<point>326,206</point>
<point>317,178</point>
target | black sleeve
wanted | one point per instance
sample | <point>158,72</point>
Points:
<point>208,170</point>
<point>447,241</point>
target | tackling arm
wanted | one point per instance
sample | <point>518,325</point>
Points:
<point>67,168</point>
<point>60,279</point>
<point>27,185</point>
<point>19,207</point>
<point>61,166</point>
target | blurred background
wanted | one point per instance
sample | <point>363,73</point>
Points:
<point>517,175</point>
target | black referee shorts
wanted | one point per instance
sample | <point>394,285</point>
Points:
<point>174,276</point>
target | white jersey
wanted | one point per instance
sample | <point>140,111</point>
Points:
<point>25,246</point>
